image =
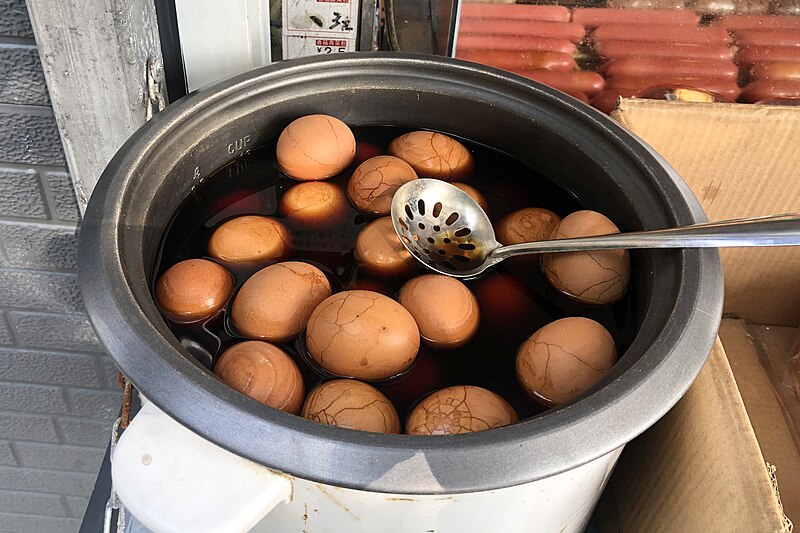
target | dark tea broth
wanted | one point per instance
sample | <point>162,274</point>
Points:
<point>514,298</point>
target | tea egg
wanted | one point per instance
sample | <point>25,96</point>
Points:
<point>564,358</point>
<point>352,404</point>
<point>526,225</point>
<point>316,203</point>
<point>591,277</point>
<point>276,302</point>
<point>193,289</point>
<point>315,147</point>
<point>460,409</point>
<point>263,372</point>
<point>374,182</point>
<point>380,252</point>
<point>249,239</point>
<point>475,194</point>
<point>362,334</point>
<point>445,310</point>
<point>433,155</point>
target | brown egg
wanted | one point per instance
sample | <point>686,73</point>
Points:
<point>459,409</point>
<point>526,225</point>
<point>314,203</point>
<point>433,155</point>
<point>594,277</point>
<point>315,147</point>
<point>249,239</point>
<point>362,334</point>
<point>193,290</point>
<point>352,404</point>
<point>380,252</point>
<point>375,181</point>
<point>445,310</point>
<point>475,194</point>
<point>276,302</point>
<point>264,372</point>
<point>565,358</point>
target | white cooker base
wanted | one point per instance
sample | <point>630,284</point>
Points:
<point>172,480</point>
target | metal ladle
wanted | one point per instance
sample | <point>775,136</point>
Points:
<point>448,232</point>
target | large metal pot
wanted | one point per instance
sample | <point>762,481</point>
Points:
<point>678,292</point>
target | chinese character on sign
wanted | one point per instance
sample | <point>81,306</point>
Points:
<point>339,21</point>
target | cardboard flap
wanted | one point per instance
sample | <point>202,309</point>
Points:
<point>748,348</point>
<point>696,466</point>
<point>740,161</point>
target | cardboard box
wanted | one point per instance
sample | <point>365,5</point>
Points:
<point>740,161</point>
<point>726,458</point>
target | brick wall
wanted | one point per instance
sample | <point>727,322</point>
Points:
<point>58,394</point>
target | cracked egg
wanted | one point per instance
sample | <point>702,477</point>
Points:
<point>277,301</point>
<point>351,404</point>
<point>362,334</point>
<point>249,239</point>
<point>375,181</point>
<point>526,225</point>
<point>314,203</point>
<point>263,372</point>
<point>445,310</point>
<point>193,289</point>
<point>379,250</point>
<point>596,277</point>
<point>460,409</point>
<point>564,359</point>
<point>315,147</point>
<point>433,155</point>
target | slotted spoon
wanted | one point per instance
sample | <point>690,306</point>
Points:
<point>449,233</point>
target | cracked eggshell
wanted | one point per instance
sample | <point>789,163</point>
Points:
<point>374,182</point>
<point>564,359</point>
<point>526,225</point>
<point>193,289</point>
<point>460,409</point>
<point>473,193</point>
<point>379,250</point>
<point>351,404</point>
<point>277,301</point>
<point>314,203</point>
<point>433,155</point>
<point>249,239</point>
<point>362,334</point>
<point>315,147</point>
<point>263,372</point>
<point>593,277</point>
<point>445,310</point>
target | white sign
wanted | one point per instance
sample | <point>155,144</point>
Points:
<point>319,27</point>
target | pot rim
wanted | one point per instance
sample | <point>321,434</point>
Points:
<point>556,441</point>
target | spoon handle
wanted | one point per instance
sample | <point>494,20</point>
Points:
<point>773,230</point>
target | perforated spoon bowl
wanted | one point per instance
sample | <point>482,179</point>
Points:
<point>448,232</point>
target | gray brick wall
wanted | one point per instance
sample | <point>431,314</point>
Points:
<point>58,391</point>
